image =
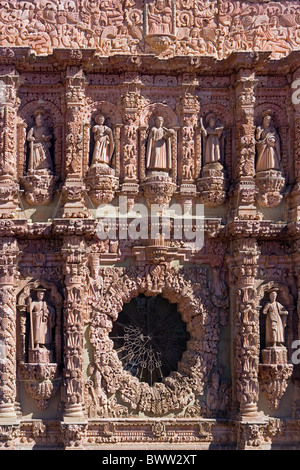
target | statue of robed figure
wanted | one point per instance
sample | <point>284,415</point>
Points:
<point>159,149</point>
<point>275,322</point>
<point>42,321</point>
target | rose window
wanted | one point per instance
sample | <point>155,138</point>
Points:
<point>150,338</point>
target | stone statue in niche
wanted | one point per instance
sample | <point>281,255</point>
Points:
<point>212,135</point>
<point>39,138</point>
<point>39,181</point>
<point>158,185</point>
<point>104,142</point>
<point>159,149</point>
<point>268,145</point>
<point>269,177</point>
<point>101,180</point>
<point>275,322</point>
<point>42,323</point>
<point>212,183</point>
<point>274,371</point>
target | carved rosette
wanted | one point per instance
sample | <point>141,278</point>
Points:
<point>159,189</point>
<point>191,293</point>
<point>212,185</point>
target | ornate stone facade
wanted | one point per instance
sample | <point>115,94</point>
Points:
<point>123,329</point>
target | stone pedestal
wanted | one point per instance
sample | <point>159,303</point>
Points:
<point>274,373</point>
<point>212,185</point>
<point>158,188</point>
<point>102,184</point>
<point>270,186</point>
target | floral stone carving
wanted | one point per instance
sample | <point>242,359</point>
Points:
<point>192,374</point>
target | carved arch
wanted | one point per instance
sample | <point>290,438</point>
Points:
<point>152,111</point>
<point>225,118</point>
<point>26,120</point>
<point>284,297</point>
<point>281,125</point>
<point>113,115</point>
<point>189,290</point>
<point>57,300</point>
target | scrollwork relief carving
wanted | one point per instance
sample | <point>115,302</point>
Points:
<point>172,394</point>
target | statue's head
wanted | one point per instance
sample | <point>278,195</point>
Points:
<point>211,120</point>
<point>267,118</point>
<point>40,293</point>
<point>159,121</point>
<point>273,296</point>
<point>39,117</point>
<point>100,119</point>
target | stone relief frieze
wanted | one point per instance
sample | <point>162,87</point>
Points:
<point>162,27</point>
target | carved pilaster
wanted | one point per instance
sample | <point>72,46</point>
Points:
<point>188,107</point>
<point>8,274</point>
<point>74,188</point>
<point>8,168</point>
<point>246,326</point>
<point>75,258</point>
<point>295,99</point>
<point>243,196</point>
<point>132,103</point>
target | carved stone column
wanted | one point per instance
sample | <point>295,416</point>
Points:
<point>74,189</point>
<point>295,99</point>
<point>132,103</point>
<point>243,195</point>
<point>74,253</point>
<point>8,166</point>
<point>188,107</point>
<point>245,326</point>
<point>8,274</point>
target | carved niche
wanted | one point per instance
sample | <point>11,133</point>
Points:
<point>39,151</point>
<point>275,370</point>
<point>39,352</point>
<point>102,152</point>
<point>212,183</point>
<point>159,137</point>
<point>269,179</point>
<point>112,389</point>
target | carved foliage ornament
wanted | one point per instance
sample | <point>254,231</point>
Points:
<point>171,27</point>
<point>190,292</point>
